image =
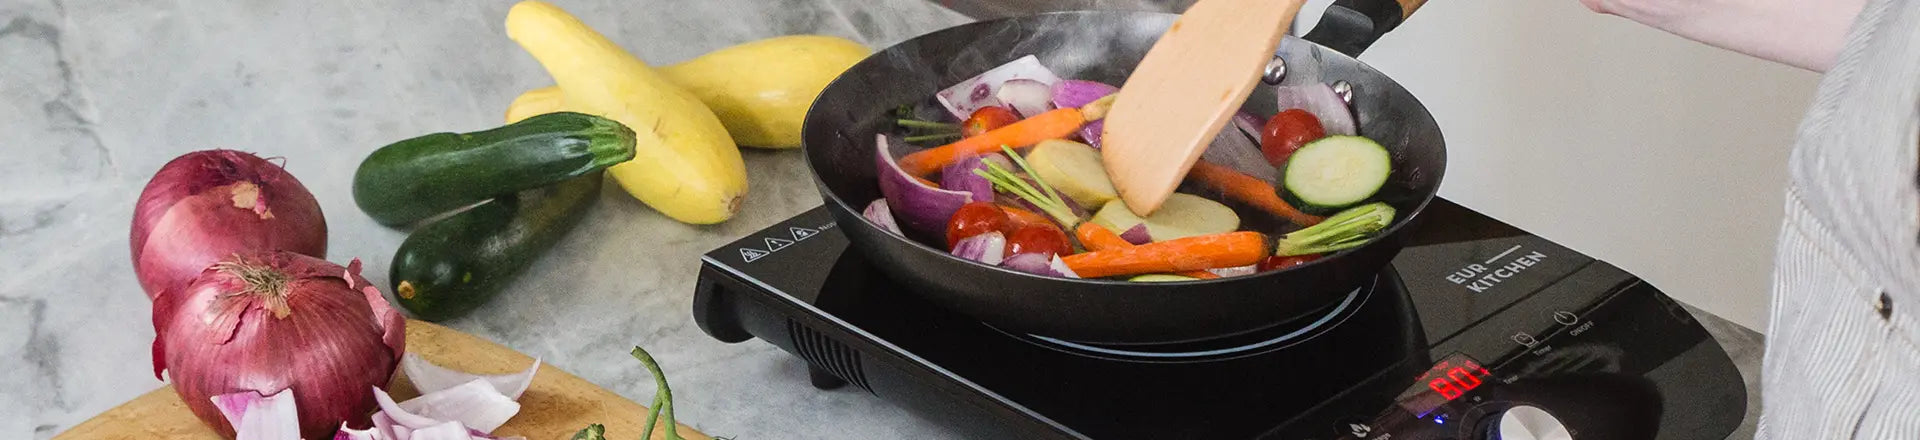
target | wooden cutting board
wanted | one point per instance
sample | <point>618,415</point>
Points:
<point>557,404</point>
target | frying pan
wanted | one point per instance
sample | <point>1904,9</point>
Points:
<point>838,139</point>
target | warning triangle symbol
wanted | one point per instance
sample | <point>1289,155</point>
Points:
<point>751,254</point>
<point>774,244</point>
<point>800,233</point>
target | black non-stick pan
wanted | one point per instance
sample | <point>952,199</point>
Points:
<point>839,138</point>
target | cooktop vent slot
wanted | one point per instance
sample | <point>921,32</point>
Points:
<point>827,354</point>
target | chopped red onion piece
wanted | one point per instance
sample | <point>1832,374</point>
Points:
<point>429,378</point>
<point>981,90</point>
<point>1076,93</point>
<point>1232,149</point>
<point>1320,100</point>
<point>257,417</point>
<point>1026,97</point>
<point>1029,262</point>
<point>921,210</point>
<point>474,404</point>
<point>1060,266</point>
<point>960,176</point>
<point>1137,235</point>
<point>988,248</point>
<point>443,431</point>
<point>878,213</point>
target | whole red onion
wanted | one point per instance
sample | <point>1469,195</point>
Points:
<point>207,205</point>
<point>269,321</point>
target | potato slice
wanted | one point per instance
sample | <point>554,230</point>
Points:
<point>1183,215</point>
<point>1074,169</point>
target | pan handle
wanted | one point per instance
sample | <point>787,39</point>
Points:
<point>1349,26</point>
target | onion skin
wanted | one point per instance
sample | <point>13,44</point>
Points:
<point>207,205</point>
<point>271,321</point>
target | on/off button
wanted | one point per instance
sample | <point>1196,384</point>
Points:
<point>1566,318</point>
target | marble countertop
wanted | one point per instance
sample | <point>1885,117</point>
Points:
<point>97,95</point>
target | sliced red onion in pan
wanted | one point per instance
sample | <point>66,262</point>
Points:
<point>1233,149</point>
<point>982,90</point>
<point>1320,100</point>
<point>1076,93</point>
<point>1137,235</point>
<point>920,210</point>
<point>960,176</point>
<point>429,378</point>
<point>1060,266</point>
<point>1039,264</point>
<point>1026,97</point>
<point>988,248</point>
<point>878,213</point>
<point>1226,272</point>
<point>257,417</point>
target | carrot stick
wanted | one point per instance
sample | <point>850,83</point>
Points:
<point>1024,217</point>
<point>1099,238</point>
<point>1202,252</point>
<point>1054,124</point>
<point>1251,190</point>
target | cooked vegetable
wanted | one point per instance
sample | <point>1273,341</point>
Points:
<point>1098,238</point>
<point>276,320</point>
<point>1161,278</point>
<point>1249,190</point>
<point>1325,104</point>
<point>1240,151</point>
<point>1183,215</point>
<point>975,218</point>
<point>1074,169</point>
<point>1022,217</point>
<point>878,213</point>
<point>1137,234</point>
<point>1045,239</point>
<point>430,175</point>
<point>921,209</point>
<point>1039,265</point>
<point>452,266</point>
<point>986,119</point>
<point>1277,262</point>
<point>988,248</point>
<point>1338,171</point>
<point>208,205</point>
<point>1238,248</point>
<point>1028,97</point>
<point>982,90</point>
<point>1055,124</point>
<point>1039,194</point>
<point>1286,132</point>
<point>1076,93</point>
<point>686,163</point>
<point>1348,229</point>
<point>963,176</point>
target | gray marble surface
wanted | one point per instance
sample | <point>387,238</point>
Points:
<point>96,95</point>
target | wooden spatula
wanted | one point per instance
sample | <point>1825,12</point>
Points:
<point>1187,88</point>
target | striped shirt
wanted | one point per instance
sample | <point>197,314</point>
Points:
<point>1843,347</point>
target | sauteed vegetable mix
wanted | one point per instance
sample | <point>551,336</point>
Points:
<point>1018,183</point>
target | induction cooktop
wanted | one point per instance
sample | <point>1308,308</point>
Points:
<point>1477,330</point>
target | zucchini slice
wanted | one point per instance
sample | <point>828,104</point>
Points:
<point>1337,171</point>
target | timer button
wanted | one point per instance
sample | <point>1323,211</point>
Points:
<point>1526,422</point>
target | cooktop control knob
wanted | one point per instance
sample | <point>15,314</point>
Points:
<point>1525,422</point>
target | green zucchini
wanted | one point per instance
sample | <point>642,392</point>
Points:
<point>1336,172</point>
<point>430,175</point>
<point>456,264</point>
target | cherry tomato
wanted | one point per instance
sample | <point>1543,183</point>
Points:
<point>1278,262</point>
<point>1288,131</point>
<point>1044,238</point>
<point>986,119</point>
<point>975,218</point>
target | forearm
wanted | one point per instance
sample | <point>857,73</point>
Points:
<point>1803,33</point>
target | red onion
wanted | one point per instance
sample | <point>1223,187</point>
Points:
<point>272,321</point>
<point>1320,99</point>
<point>982,90</point>
<point>960,176</point>
<point>989,248</point>
<point>1026,97</point>
<point>207,205</point>
<point>1137,235</point>
<point>878,213</point>
<point>1234,148</point>
<point>921,210</point>
<point>1075,93</point>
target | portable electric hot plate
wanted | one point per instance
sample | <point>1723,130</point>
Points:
<point>1478,330</point>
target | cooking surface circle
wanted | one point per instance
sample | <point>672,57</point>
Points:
<point>1230,347</point>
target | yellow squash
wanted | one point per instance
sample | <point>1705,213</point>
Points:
<point>685,165</point>
<point>760,89</point>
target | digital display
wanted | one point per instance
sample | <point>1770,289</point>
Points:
<point>1448,379</point>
